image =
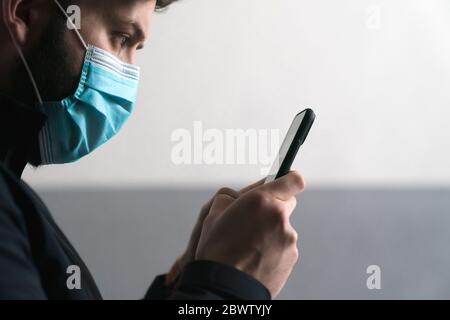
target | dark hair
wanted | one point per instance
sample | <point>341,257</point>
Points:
<point>160,4</point>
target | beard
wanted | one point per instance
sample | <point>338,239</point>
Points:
<point>51,62</point>
<point>55,69</point>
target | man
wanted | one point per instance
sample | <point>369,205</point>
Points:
<point>65,92</point>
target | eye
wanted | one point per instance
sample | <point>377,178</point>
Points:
<point>122,39</point>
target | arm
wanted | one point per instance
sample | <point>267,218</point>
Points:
<point>19,278</point>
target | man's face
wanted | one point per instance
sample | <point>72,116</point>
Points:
<point>118,26</point>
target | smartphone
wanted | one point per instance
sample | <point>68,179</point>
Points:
<point>295,137</point>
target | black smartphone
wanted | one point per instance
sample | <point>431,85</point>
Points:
<point>295,137</point>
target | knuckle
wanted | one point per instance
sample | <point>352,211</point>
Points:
<point>261,199</point>
<point>298,180</point>
<point>278,213</point>
<point>292,236</point>
<point>278,208</point>
<point>273,209</point>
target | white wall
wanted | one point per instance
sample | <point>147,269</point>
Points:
<point>380,85</point>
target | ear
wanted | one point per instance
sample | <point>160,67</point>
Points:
<point>20,16</point>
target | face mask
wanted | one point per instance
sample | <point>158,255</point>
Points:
<point>103,101</point>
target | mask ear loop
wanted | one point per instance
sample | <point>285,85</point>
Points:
<point>74,28</point>
<point>22,57</point>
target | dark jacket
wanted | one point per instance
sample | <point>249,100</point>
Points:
<point>35,254</point>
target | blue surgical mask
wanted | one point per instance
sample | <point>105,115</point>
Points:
<point>101,104</point>
<point>103,101</point>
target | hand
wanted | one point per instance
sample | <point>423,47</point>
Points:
<point>189,254</point>
<point>251,231</point>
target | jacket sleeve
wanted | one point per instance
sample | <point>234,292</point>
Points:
<point>208,280</point>
<point>19,278</point>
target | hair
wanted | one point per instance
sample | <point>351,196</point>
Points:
<point>161,4</point>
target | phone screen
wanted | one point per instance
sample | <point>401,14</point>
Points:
<point>287,143</point>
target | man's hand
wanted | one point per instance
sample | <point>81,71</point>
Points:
<point>249,230</point>
<point>189,254</point>
<point>252,231</point>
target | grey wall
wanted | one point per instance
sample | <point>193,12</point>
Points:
<point>127,237</point>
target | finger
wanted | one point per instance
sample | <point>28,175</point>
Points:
<point>229,192</point>
<point>221,203</point>
<point>286,206</point>
<point>207,207</point>
<point>252,186</point>
<point>285,187</point>
<point>204,212</point>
